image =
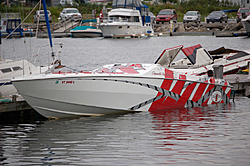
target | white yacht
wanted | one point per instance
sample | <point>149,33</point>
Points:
<point>126,18</point>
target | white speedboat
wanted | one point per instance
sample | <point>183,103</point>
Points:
<point>127,18</point>
<point>246,24</point>
<point>85,31</point>
<point>89,30</point>
<point>119,88</point>
<point>199,61</point>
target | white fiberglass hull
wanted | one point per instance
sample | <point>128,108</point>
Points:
<point>111,29</point>
<point>61,95</point>
<point>86,33</point>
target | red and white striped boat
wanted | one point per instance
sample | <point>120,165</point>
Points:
<point>120,88</point>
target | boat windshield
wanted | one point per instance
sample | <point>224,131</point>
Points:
<point>165,13</point>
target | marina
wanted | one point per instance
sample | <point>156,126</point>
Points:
<point>163,136</point>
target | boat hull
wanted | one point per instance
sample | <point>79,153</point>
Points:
<point>112,29</point>
<point>95,95</point>
<point>86,33</point>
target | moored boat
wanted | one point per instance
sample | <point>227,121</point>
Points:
<point>119,88</point>
<point>86,30</point>
<point>126,18</point>
<point>14,68</point>
<point>122,88</point>
<point>246,24</point>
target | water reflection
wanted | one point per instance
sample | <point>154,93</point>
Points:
<point>208,136</point>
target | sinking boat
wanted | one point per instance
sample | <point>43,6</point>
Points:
<point>122,88</point>
<point>126,18</point>
<point>119,88</point>
<point>199,61</point>
<point>86,30</point>
<point>246,24</point>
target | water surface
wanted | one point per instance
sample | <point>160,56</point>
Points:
<point>217,135</point>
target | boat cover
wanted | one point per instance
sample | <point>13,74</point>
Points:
<point>83,28</point>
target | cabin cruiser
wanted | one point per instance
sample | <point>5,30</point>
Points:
<point>126,18</point>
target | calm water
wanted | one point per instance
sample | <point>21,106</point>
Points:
<point>218,135</point>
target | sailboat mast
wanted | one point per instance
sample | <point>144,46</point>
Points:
<point>47,23</point>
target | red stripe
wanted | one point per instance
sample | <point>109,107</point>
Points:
<point>178,87</point>
<point>169,73</point>
<point>182,77</point>
<point>129,70</point>
<point>205,102</point>
<point>210,87</point>
<point>230,64</point>
<point>166,84</point>
<point>199,92</point>
<point>185,96</point>
<point>163,103</point>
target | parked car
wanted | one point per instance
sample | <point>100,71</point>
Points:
<point>242,11</point>
<point>40,15</point>
<point>192,16</point>
<point>68,3</point>
<point>217,16</point>
<point>152,18</point>
<point>166,15</point>
<point>68,13</point>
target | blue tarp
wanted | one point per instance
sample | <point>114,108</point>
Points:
<point>91,20</point>
<point>83,28</point>
<point>230,10</point>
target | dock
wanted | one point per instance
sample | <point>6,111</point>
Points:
<point>240,83</point>
<point>158,34</point>
<point>9,105</point>
<point>18,111</point>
